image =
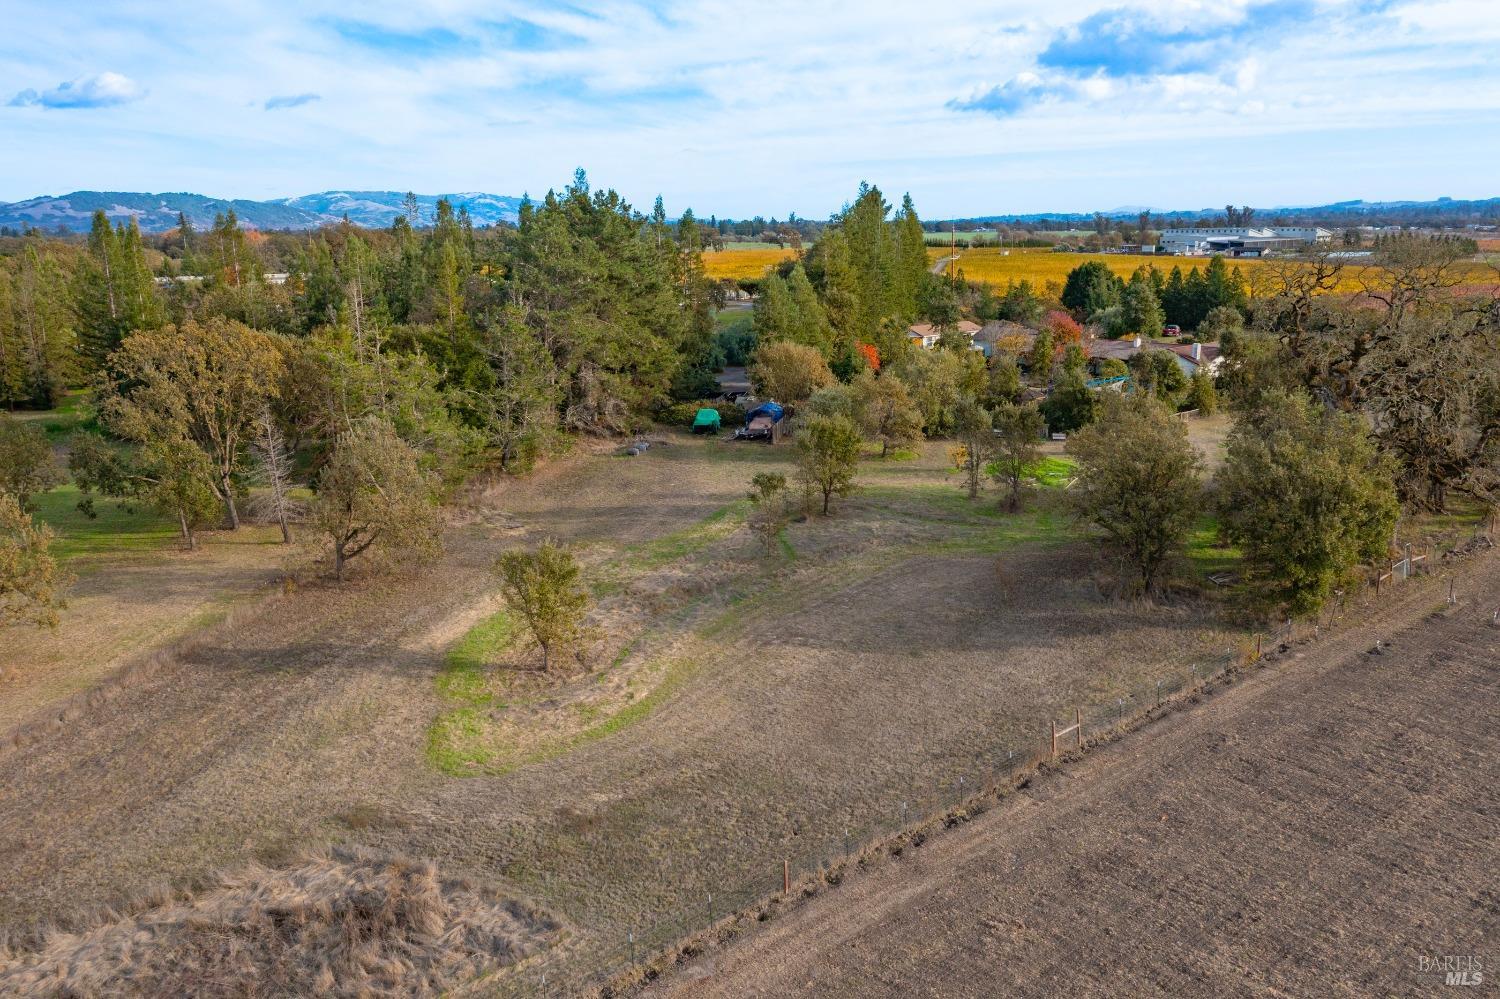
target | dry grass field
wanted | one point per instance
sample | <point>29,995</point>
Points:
<point>347,924</point>
<point>126,600</point>
<point>1317,829</point>
<point>735,706</point>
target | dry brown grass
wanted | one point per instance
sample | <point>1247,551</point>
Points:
<point>126,605</point>
<point>1314,829</point>
<point>342,924</point>
<point>877,664</point>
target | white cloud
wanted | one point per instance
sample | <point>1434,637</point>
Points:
<point>99,90</point>
<point>734,108</point>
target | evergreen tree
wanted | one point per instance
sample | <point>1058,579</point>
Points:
<point>872,257</point>
<point>700,295</point>
<point>237,264</point>
<point>38,346</point>
<point>1090,287</point>
<point>599,293</point>
<point>911,259</point>
<point>1308,496</point>
<point>1140,311</point>
<point>114,291</point>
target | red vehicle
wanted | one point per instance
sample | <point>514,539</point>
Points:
<point>1171,329</point>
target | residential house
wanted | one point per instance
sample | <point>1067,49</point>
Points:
<point>1004,335</point>
<point>1190,357</point>
<point>926,335</point>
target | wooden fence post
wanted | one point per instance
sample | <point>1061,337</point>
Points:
<point>1054,739</point>
<point>786,877</point>
<point>1078,726</point>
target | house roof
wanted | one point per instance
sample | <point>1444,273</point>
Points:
<point>928,329</point>
<point>998,329</point>
<point>1120,350</point>
<point>1208,352</point>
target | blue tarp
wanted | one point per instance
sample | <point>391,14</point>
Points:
<point>771,409</point>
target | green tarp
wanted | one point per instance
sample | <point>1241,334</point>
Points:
<point>707,419</point>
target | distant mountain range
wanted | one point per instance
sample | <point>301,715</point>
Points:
<point>377,209</point>
<point>1342,212</point>
<point>158,212</point>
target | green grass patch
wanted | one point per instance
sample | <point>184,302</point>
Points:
<point>464,680</point>
<point>932,500</point>
<point>59,422</point>
<point>1206,553</point>
<point>679,671</point>
<point>118,527</point>
<point>1463,516</point>
<point>690,540</point>
<point>1033,526</point>
<point>786,547</point>
<point>463,677</point>
<point>1053,472</point>
<point>457,742</point>
<point>872,453</point>
<point>454,741</point>
<point>734,319</point>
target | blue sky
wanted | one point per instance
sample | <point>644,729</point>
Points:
<point>761,108</point>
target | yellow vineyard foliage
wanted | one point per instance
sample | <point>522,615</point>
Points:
<point>1000,267</point>
<point>738,264</point>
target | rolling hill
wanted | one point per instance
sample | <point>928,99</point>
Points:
<point>158,212</point>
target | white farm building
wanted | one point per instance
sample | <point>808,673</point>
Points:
<point>1241,241</point>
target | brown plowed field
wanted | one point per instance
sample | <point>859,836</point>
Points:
<point>1316,829</point>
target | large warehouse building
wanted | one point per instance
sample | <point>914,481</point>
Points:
<point>1241,241</point>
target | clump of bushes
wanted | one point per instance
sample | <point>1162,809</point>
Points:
<point>680,414</point>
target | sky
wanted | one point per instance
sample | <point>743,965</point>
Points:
<point>741,108</point>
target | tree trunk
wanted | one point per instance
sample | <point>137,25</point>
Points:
<point>231,515</point>
<point>286,532</point>
<point>545,664</point>
<point>826,494</point>
<point>338,560</point>
<point>187,531</point>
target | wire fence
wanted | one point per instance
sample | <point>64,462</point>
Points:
<point>641,953</point>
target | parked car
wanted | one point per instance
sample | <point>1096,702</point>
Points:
<point>1171,329</point>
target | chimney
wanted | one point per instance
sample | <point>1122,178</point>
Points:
<point>1137,343</point>
<point>1197,351</point>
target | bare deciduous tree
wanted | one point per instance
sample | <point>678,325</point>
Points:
<point>274,462</point>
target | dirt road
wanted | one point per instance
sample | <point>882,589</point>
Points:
<point>1319,828</point>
